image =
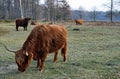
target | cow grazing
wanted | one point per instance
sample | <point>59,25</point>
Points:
<point>43,39</point>
<point>79,22</point>
<point>22,23</point>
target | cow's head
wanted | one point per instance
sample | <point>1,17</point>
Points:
<point>22,58</point>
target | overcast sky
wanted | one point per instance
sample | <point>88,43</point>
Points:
<point>87,4</point>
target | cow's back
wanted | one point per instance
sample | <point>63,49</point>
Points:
<point>58,36</point>
<point>19,22</point>
<point>50,37</point>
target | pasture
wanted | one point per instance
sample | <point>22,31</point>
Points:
<point>93,53</point>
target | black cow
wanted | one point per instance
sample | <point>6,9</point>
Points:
<point>22,23</point>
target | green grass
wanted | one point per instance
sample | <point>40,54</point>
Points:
<point>93,53</point>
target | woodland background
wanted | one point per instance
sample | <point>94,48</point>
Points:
<point>57,10</point>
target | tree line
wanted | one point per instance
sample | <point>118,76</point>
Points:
<point>50,10</point>
<point>111,14</point>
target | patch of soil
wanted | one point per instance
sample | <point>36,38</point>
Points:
<point>8,68</point>
<point>101,23</point>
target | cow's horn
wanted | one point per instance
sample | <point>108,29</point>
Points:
<point>9,49</point>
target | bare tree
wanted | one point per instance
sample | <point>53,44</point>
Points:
<point>51,10</point>
<point>57,9</point>
<point>110,5</point>
<point>65,9</point>
<point>93,14</point>
<point>111,11</point>
<point>5,9</point>
<point>16,9</point>
<point>21,10</point>
<point>81,12</point>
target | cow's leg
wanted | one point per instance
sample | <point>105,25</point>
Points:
<point>55,57</point>
<point>64,52</point>
<point>43,57</point>
<point>16,28</point>
<point>76,23</point>
<point>38,63</point>
<point>24,28</point>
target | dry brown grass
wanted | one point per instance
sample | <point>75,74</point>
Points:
<point>101,23</point>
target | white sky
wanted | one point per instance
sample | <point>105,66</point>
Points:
<point>87,4</point>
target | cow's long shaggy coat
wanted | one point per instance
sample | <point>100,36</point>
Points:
<point>42,40</point>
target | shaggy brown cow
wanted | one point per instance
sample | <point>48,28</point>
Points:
<point>43,39</point>
<point>22,23</point>
<point>79,22</point>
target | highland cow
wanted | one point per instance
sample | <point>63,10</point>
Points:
<point>43,39</point>
<point>79,22</point>
<point>22,23</point>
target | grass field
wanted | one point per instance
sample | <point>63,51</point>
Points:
<point>93,53</point>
